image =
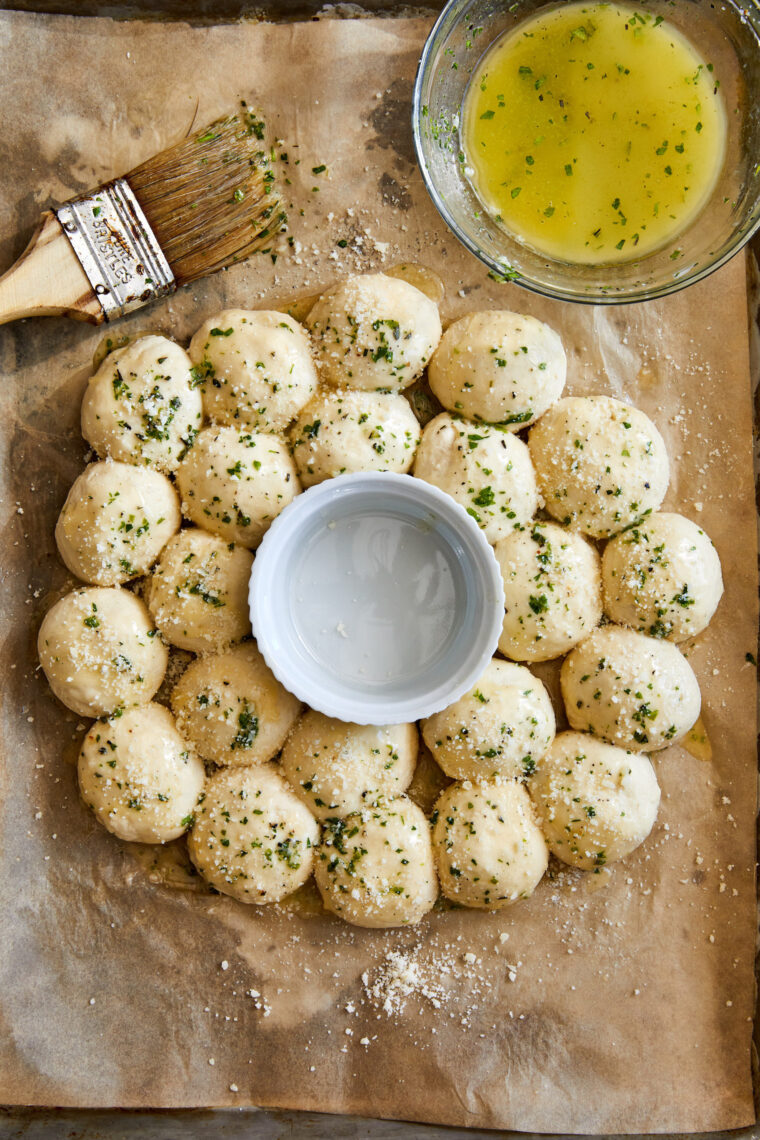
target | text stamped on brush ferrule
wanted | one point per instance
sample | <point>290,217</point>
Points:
<point>117,249</point>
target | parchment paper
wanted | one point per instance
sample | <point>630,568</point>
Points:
<point>619,1003</point>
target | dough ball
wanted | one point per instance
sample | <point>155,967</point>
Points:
<point>552,591</point>
<point>252,838</point>
<point>502,727</point>
<point>631,690</point>
<point>99,651</point>
<point>255,368</point>
<point>601,465</point>
<point>338,768</point>
<point>374,332</point>
<point>139,777</point>
<point>198,592</point>
<point>232,708</point>
<point>499,367</point>
<point>596,803</point>
<point>116,521</point>
<point>489,849</point>
<point>235,484</point>
<point>486,470</point>
<point>375,868</point>
<point>141,406</point>
<point>348,431</point>
<point>662,577</point>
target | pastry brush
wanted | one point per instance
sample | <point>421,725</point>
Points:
<point>201,205</point>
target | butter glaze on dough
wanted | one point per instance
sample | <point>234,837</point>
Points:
<point>634,691</point>
<point>198,592</point>
<point>600,464</point>
<point>232,708</point>
<point>99,651</point>
<point>375,868</point>
<point>501,727</point>
<point>374,332</point>
<point>255,368</point>
<point>499,367</point>
<point>252,838</point>
<point>662,577</point>
<point>488,471</point>
<point>141,406</point>
<point>597,803</point>
<point>552,591</point>
<point>235,483</point>
<point>115,522</point>
<point>338,768</point>
<point>348,431</point>
<point>488,846</point>
<point>139,776</point>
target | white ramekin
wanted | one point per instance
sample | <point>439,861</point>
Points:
<point>375,598</point>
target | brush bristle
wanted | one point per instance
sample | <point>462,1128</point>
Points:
<point>211,199</point>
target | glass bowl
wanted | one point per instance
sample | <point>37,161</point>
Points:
<point>724,33</point>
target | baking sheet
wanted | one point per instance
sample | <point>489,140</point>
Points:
<point>618,1003</point>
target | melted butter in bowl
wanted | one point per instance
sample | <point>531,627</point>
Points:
<point>594,132</point>
<point>602,153</point>
<point>376,599</point>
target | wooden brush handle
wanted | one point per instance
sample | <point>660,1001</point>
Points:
<point>48,281</point>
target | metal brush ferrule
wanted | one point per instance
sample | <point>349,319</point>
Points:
<point>116,248</point>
